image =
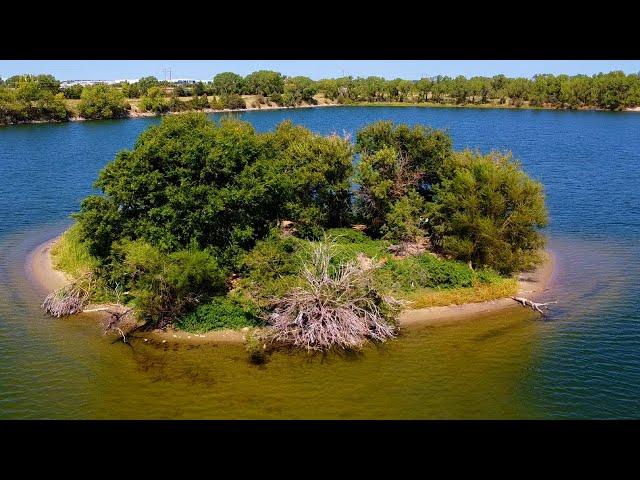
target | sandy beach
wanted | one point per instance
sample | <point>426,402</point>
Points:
<point>531,285</point>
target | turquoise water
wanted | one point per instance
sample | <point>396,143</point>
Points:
<point>582,362</point>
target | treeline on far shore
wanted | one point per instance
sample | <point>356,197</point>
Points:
<point>33,98</point>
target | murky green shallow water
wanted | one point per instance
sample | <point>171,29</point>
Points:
<point>583,362</point>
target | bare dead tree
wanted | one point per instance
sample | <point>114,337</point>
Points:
<point>70,299</point>
<point>336,307</point>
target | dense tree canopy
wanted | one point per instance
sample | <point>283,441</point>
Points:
<point>298,90</point>
<point>397,169</point>
<point>32,98</point>
<point>228,82</point>
<point>191,181</point>
<point>145,83</point>
<point>102,101</point>
<point>264,82</point>
<point>488,211</point>
<point>154,101</point>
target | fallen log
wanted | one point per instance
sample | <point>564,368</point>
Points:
<point>114,323</point>
<point>534,306</point>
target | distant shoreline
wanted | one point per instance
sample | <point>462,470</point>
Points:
<point>46,278</point>
<point>481,106</point>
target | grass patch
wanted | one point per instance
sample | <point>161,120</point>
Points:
<point>482,292</point>
<point>423,271</point>
<point>71,255</point>
<point>218,314</point>
<point>349,243</point>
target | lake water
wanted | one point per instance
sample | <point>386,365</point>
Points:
<point>583,361</point>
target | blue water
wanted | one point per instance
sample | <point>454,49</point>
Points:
<point>584,360</point>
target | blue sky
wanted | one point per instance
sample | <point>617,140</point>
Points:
<point>408,69</point>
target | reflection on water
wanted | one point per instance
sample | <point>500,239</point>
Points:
<point>582,361</point>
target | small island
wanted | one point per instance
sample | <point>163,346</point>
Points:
<point>295,239</point>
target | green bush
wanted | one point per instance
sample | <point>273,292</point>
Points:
<point>73,91</point>
<point>405,219</point>
<point>232,101</point>
<point>488,211</point>
<point>398,165</point>
<point>276,98</point>
<point>423,271</point>
<point>102,101</point>
<point>32,100</point>
<point>349,243</point>
<point>219,313</point>
<point>270,268</point>
<point>155,101</point>
<point>167,286</point>
<point>198,103</point>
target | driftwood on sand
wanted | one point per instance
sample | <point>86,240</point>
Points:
<point>534,306</point>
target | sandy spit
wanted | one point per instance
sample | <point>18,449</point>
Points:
<point>531,285</point>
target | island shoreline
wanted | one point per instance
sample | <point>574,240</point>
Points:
<point>532,285</point>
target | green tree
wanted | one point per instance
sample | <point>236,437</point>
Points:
<point>154,101</point>
<point>131,90</point>
<point>518,89</point>
<point>52,107</point>
<point>189,181</point>
<point>231,101</point>
<point>610,90</point>
<point>398,167</point>
<point>423,87</point>
<point>488,211</point>
<point>72,91</point>
<point>145,83</point>
<point>102,101</point>
<point>298,90</point>
<point>226,83</point>
<point>577,91</point>
<point>264,82</point>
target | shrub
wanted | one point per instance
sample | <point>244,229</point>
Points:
<point>488,211</point>
<point>423,271</point>
<point>276,98</point>
<point>232,101</point>
<point>405,219</point>
<point>271,267</point>
<point>168,286</point>
<point>73,91</point>
<point>154,101</point>
<point>198,103</point>
<point>217,314</point>
<point>102,101</point>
